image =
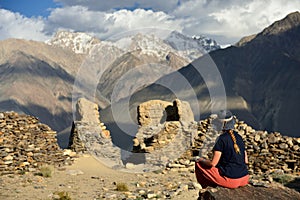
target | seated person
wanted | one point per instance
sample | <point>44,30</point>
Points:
<point>228,166</point>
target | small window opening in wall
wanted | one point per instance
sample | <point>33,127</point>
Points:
<point>172,113</point>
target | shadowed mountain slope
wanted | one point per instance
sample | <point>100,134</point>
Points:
<point>261,79</point>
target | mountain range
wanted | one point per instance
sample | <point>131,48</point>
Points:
<point>261,77</point>
<point>39,78</point>
<point>260,74</point>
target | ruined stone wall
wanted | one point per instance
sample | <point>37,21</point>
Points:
<point>87,115</point>
<point>159,139</point>
<point>26,144</point>
<point>89,135</point>
<point>155,112</point>
<point>168,134</point>
<point>87,111</point>
<point>160,121</point>
<point>152,112</point>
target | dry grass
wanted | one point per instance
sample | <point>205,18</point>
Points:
<point>45,171</point>
<point>62,195</point>
<point>122,187</point>
<point>283,178</point>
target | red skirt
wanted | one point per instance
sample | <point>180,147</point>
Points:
<point>210,176</point>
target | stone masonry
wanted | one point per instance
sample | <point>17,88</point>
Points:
<point>162,138</point>
<point>155,112</point>
<point>165,117</point>
<point>89,135</point>
<point>26,144</point>
<point>166,130</point>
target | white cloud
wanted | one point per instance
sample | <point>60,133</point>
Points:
<point>104,24</point>
<point>252,17</point>
<point>125,20</point>
<point>224,20</point>
<point>104,5</point>
<point>17,26</point>
<point>231,20</point>
<point>76,18</point>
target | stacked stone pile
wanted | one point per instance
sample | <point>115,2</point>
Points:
<point>267,152</point>
<point>75,142</point>
<point>26,144</point>
<point>270,152</point>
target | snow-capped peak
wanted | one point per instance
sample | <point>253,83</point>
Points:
<point>78,42</point>
<point>145,44</point>
<point>191,47</point>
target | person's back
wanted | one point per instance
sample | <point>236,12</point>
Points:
<point>231,164</point>
<point>228,166</point>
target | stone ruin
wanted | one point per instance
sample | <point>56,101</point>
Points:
<point>23,149</point>
<point>160,121</point>
<point>26,145</point>
<point>155,112</point>
<point>87,117</point>
<point>169,136</point>
<point>89,135</point>
<point>165,129</point>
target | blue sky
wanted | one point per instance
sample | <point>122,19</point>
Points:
<point>30,8</point>
<point>226,21</point>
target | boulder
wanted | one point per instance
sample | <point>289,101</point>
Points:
<point>249,192</point>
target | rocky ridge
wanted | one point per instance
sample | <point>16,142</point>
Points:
<point>191,47</point>
<point>78,42</point>
<point>187,47</point>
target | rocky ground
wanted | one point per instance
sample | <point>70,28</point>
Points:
<point>87,178</point>
<point>32,166</point>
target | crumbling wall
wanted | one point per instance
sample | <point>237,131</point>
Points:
<point>89,135</point>
<point>166,131</point>
<point>155,112</point>
<point>87,114</point>
<point>152,112</point>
